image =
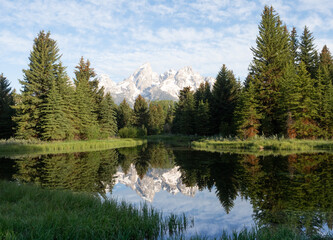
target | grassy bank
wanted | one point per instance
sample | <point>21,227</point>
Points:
<point>30,212</point>
<point>14,147</point>
<point>264,144</point>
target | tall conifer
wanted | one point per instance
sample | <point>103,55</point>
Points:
<point>308,54</point>
<point>141,112</point>
<point>108,117</point>
<point>6,111</point>
<point>270,57</point>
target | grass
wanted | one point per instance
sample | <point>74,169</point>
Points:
<point>16,147</point>
<point>30,212</point>
<point>261,143</point>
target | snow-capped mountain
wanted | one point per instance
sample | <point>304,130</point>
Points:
<point>152,86</point>
<point>154,181</point>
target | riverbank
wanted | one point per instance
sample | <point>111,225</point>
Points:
<point>260,144</point>
<point>17,147</point>
<point>30,212</point>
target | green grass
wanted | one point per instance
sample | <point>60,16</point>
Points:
<point>261,143</point>
<point>17,147</point>
<point>30,212</point>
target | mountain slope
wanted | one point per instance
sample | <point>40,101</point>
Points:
<point>152,86</point>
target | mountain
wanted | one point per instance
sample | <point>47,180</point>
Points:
<point>152,86</point>
<point>154,181</point>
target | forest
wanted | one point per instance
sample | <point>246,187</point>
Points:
<point>288,93</point>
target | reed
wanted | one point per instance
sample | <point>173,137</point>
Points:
<point>30,212</point>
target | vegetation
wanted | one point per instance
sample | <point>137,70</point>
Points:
<point>261,143</point>
<point>56,214</point>
<point>13,147</point>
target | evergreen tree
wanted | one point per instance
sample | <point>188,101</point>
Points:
<point>308,54</point>
<point>271,55</point>
<point>294,44</point>
<point>203,93</point>
<point>305,124</point>
<point>203,118</point>
<point>141,112</point>
<point>156,119</point>
<point>184,113</point>
<point>108,117</point>
<point>6,112</point>
<point>85,100</point>
<point>224,98</point>
<point>246,113</point>
<point>125,115</point>
<point>45,71</point>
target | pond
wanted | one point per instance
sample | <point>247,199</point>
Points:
<point>217,191</point>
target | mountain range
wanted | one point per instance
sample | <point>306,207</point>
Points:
<point>153,86</point>
<point>154,181</point>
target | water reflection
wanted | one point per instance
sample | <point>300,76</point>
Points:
<point>296,190</point>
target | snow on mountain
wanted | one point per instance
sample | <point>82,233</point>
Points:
<point>154,181</point>
<point>152,86</point>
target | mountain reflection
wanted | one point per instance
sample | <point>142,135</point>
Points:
<point>296,189</point>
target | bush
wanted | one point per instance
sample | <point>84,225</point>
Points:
<point>132,132</point>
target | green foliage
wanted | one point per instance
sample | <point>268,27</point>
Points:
<point>185,110</point>
<point>141,112</point>
<point>308,55</point>
<point>225,95</point>
<point>44,72</point>
<point>156,119</point>
<point>6,111</point>
<point>270,58</point>
<point>125,115</point>
<point>85,100</point>
<point>108,117</point>
<point>132,132</point>
<point>203,118</point>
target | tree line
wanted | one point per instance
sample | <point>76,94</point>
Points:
<point>288,92</point>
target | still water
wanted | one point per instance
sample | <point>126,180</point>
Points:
<point>218,191</point>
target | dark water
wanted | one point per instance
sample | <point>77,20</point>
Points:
<point>218,191</point>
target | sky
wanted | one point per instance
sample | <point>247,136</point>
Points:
<point>118,36</point>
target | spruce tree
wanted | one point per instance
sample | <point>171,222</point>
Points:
<point>6,111</point>
<point>203,118</point>
<point>85,100</point>
<point>270,57</point>
<point>156,119</point>
<point>108,117</point>
<point>184,121</point>
<point>44,72</point>
<point>125,115</point>
<point>308,54</point>
<point>141,112</point>
<point>294,45</point>
<point>225,95</point>
<point>246,113</point>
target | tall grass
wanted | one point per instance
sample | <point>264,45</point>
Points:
<point>30,212</point>
<point>261,143</point>
<point>13,147</point>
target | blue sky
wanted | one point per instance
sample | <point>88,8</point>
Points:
<point>118,36</point>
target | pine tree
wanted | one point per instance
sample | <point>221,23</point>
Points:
<point>308,54</point>
<point>270,57</point>
<point>203,93</point>
<point>108,117</point>
<point>6,112</point>
<point>85,100</point>
<point>44,71</point>
<point>141,112</point>
<point>246,113</point>
<point>125,115</point>
<point>224,98</point>
<point>184,121</point>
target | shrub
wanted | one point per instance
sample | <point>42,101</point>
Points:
<point>132,132</point>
